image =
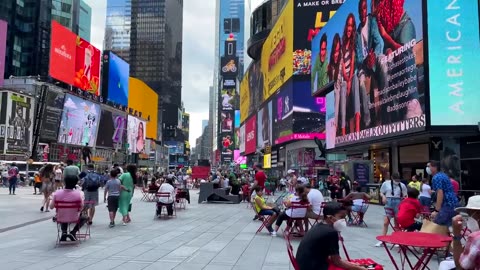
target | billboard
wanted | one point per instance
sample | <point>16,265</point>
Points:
<point>375,65</point>
<point>453,56</point>
<point>251,135</point>
<point>144,101</point>
<point>17,123</point>
<point>242,139</point>
<point>283,112</point>
<point>239,159</point>
<point>276,62</point>
<point>228,147</point>
<point>3,48</point>
<point>226,122</point>
<point>244,98</point>
<point>79,122</point>
<point>74,60</point>
<point>231,26</point>
<point>52,116</point>
<point>308,112</point>
<point>227,97</point>
<point>229,66</point>
<point>113,129</point>
<point>237,129</point>
<point>118,72</point>
<point>330,120</point>
<point>264,126</point>
<point>136,135</point>
<point>309,17</point>
<point>63,49</point>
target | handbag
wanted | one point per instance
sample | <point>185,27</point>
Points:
<point>432,227</point>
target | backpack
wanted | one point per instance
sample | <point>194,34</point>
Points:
<point>12,172</point>
<point>92,181</point>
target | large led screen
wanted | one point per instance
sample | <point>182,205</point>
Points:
<point>264,126</point>
<point>118,72</point>
<point>136,135</point>
<point>283,113</point>
<point>375,65</point>
<point>308,112</point>
<point>3,46</point>
<point>113,129</point>
<point>453,54</point>
<point>74,60</point>
<point>52,116</point>
<point>251,135</point>
<point>79,121</point>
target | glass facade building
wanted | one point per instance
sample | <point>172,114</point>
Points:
<point>85,21</point>
<point>117,28</point>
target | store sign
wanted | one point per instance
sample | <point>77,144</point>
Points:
<point>394,104</point>
<point>453,55</point>
<point>251,135</point>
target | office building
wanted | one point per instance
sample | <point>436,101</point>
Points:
<point>76,15</point>
<point>117,28</point>
<point>28,39</point>
<point>85,21</point>
<point>156,56</point>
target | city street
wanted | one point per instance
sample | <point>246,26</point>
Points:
<point>206,236</point>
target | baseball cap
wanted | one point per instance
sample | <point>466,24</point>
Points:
<point>290,171</point>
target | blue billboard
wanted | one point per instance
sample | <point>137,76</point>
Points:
<point>232,13</point>
<point>118,74</point>
<point>453,55</point>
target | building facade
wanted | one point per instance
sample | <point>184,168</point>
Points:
<point>85,21</point>
<point>117,28</point>
<point>76,15</point>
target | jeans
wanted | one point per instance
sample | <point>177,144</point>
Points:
<point>169,207</point>
<point>12,184</point>
<point>425,201</point>
<point>81,222</point>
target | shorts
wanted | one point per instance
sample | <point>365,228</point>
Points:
<point>91,198</point>
<point>445,215</point>
<point>48,187</point>
<point>265,212</point>
<point>359,208</point>
<point>38,185</point>
<point>393,203</point>
<point>113,203</point>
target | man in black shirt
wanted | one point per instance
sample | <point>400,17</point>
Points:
<point>320,247</point>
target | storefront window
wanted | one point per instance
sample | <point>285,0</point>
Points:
<point>413,159</point>
<point>381,164</point>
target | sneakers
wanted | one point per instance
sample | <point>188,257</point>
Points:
<point>124,224</point>
<point>72,236</point>
<point>379,244</point>
<point>274,233</point>
<point>63,238</point>
<point>112,224</point>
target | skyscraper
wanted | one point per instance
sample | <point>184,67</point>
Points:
<point>85,21</point>
<point>76,15</point>
<point>117,28</point>
<point>156,55</point>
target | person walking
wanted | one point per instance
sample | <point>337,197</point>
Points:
<point>47,186</point>
<point>58,177</point>
<point>12,178</point>
<point>446,197</point>
<point>128,181</point>
<point>91,184</point>
<point>113,189</point>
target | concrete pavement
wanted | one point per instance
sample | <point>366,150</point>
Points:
<point>206,236</point>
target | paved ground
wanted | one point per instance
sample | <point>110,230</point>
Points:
<point>206,236</point>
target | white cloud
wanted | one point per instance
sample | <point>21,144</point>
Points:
<point>70,104</point>
<point>198,55</point>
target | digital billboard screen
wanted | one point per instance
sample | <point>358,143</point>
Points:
<point>79,122</point>
<point>118,78</point>
<point>283,112</point>
<point>3,48</point>
<point>251,135</point>
<point>136,135</point>
<point>375,65</point>
<point>52,116</point>
<point>264,126</point>
<point>74,60</point>
<point>113,129</point>
<point>453,54</point>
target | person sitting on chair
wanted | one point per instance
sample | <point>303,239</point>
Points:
<point>357,197</point>
<point>408,209</point>
<point>69,194</point>
<point>299,197</point>
<point>166,187</point>
<point>264,210</point>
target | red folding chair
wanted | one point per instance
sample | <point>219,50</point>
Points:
<point>62,206</point>
<point>320,216</point>
<point>168,196</point>
<point>358,216</point>
<point>426,212</point>
<point>182,199</point>
<point>340,238</point>
<point>293,222</point>
<point>264,219</point>
<point>293,260</point>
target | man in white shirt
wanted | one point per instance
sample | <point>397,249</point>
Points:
<point>316,199</point>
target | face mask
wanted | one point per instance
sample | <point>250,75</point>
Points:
<point>472,224</point>
<point>340,225</point>
<point>429,171</point>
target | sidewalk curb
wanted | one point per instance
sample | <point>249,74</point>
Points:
<point>2,230</point>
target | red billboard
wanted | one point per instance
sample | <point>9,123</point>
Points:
<point>74,60</point>
<point>251,135</point>
<point>62,53</point>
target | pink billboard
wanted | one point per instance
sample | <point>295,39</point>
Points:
<point>3,45</point>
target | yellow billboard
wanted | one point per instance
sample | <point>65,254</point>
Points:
<point>277,53</point>
<point>144,100</point>
<point>244,98</point>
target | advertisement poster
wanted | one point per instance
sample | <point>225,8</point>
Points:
<point>18,127</point>
<point>87,67</point>
<point>226,122</point>
<point>136,135</point>
<point>308,112</point>
<point>52,116</point>
<point>283,112</point>
<point>244,98</point>
<point>361,173</point>
<point>453,56</point>
<point>113,130</point>
<point>330,120</point>
<point>144,100</point>
<point>3,46</point>
<point>79,121</point>
<point>251,135</point>
<point>309,17</point>
<point>264,126</point>
<point>239,159</point>
<point>276,53</point>
<point>229,66</point>
<point>237,129</point>
<point>227,145</point>
<point>119,71</point>
<point>379,93</point>
<point>227,97</point>
<point>62,53</point>
<point>255,87</point>
<point>242,139</point>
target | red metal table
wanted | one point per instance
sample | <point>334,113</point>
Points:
<point>429,242</point>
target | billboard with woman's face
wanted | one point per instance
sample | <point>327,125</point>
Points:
<point>79,121</point>
<point>136,135</point>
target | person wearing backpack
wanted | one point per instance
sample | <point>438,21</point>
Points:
<point>12,178</point>
<point>91,184</point>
